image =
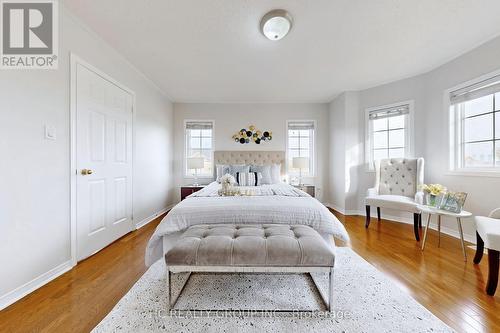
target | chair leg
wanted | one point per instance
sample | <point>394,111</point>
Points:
<point>479,249</point>
<point>378,213</point>
<point>415,226</point>
<point>367,223</point>
<point>493,266</point>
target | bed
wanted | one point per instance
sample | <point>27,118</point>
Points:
<point>275,203</point>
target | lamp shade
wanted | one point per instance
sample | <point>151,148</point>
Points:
<point>195,162</point>
<point>300,162</point>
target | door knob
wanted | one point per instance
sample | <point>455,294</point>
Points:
<point>86,172</point>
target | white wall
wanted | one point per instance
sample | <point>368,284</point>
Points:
<point>230,118</point>
<point>484,192</point>
<point>337,170</point>
<point>431,130</point>
<point>345,152</point>
<point>34,172</point>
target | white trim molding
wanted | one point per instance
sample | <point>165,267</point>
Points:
<point>150,218</point>
<point>74,61</point>
<point>27,288</point>
<point>454,115</point>
<point>409,128</point>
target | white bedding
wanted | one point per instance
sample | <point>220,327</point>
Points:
<point>278,203</point>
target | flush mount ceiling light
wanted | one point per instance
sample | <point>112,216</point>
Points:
<point>276,24</point>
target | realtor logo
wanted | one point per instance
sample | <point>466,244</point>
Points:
<point>29,34</point>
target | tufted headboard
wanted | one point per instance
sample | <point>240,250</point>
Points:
<point>251,157</point>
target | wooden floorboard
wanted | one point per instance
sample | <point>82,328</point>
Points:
<point>79,299</point>
<point>437,278</point>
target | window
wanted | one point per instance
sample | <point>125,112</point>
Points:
<point>199,143</point>
<point>300,143</point>
<point>475,114</point>
<point>388,132</point>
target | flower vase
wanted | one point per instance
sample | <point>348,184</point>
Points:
<point>431,200</point>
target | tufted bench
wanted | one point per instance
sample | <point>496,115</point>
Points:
<point>262,248</point>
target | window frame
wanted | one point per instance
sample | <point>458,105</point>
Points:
<point>312,150</point>
<point>455,120</point>
<point>409,133</point>
<point>186,172</point>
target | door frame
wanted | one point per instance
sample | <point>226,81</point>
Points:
<point>74,61</point>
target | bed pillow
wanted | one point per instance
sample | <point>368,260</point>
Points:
<point>220,170</point>
<point>276,173</point>
<point>265,170</point>
<point>248,178</point>
<point>234,168</point>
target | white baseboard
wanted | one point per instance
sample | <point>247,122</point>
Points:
<point>18,293</point>
<point>335,207</point>
<point>152,217</point>
<point>445,230</point>
<point>27,288</point>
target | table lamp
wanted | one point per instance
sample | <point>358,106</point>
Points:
<point>300,163</point>
<point>195,163</point>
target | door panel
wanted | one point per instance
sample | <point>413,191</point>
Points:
<point>104,146</point>
<point>120,141</point>
<point>97,134</point>
<point>97,209</point>
<point>120,200</point>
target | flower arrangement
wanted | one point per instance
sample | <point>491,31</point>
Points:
<point>227,181</point>
<point>433,191</point>
<point>252,134</point>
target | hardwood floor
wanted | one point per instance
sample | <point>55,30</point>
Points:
<point>438,278</point>
<point>79,299</point>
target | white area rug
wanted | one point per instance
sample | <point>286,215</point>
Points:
<point>365,301</point>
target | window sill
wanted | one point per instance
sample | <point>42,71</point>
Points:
<point>474,173</point>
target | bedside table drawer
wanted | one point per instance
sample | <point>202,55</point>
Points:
<point>188,190</point>
<point>309,189</point>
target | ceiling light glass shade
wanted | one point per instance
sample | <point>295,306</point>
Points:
<point>276,24</point>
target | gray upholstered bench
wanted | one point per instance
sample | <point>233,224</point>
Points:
<point>262,248</point>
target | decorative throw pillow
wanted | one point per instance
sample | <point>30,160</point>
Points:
<point>220,170</point>
<point>248,178</point>
<point>276,173</point>
<point>234,168</point>
<point>265,170</point>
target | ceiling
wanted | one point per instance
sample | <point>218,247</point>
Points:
<point>213,51</point>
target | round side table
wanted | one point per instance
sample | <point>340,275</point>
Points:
<point>434,211</point>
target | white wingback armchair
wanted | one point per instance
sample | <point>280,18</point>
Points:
<point>397,183</point>
<point>488,235</point>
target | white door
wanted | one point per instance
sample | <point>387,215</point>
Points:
<point>104,114</point>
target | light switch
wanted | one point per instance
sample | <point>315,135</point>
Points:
<point>50,132</point>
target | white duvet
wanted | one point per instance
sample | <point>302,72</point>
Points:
<point>279,203</point>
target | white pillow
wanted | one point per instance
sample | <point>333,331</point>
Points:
<point>220,170</point>
<point>248,178</point>
<point>276,173</point>
<point>265,170</point>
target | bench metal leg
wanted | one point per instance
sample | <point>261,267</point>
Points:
<point>330,290</point>
<point>169,289</point>
<point>171,302</point>
<point>328,298</point>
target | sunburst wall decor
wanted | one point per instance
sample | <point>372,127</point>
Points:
<point>252,134</point>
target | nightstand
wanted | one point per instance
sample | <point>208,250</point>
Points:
<point>189,189</point>
<point>309,189</point>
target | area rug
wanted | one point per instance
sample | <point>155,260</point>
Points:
<point>365,301</point>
